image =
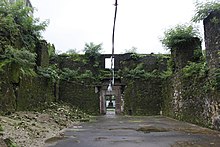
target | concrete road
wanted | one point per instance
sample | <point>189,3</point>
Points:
<point>129,131</point>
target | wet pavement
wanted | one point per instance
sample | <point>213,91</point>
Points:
<point>130,131</point>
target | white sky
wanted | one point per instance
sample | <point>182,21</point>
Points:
<point>140,23</point>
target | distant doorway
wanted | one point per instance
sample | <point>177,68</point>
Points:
<point>110,104</point>
<point>111,101</point>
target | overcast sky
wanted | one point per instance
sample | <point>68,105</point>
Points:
<point>140,23</point>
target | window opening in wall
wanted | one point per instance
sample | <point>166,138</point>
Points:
<point>108,63</point>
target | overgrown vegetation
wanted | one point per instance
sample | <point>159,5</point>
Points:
<point>178,35</point>
<point>193,69</point>
<point>51,72</point>
<point>139,72</point>
<point>19,34</point>
<point>204,9</point>
<point>93,52</point>
<point>76,75</point>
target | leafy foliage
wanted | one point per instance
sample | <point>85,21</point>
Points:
<point>139,72</point>
<point>131,50</point>
<point>19,34</point>
<point>92,50</point>
<point>22,58</point>
<point>195,69</point>
<point>51,72</point>
<point>92,53</point>
<point>51,50</point>
<point>178,34</point>
<point>72,52</point>
<point>68,74</point>
<point>204,9</point>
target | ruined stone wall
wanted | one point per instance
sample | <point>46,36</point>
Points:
<point>7,95</point>
<point>212,39</point>
<point>190,99</point>
<point>80,95</point>
<point>193,95</point>
<point>189,50</point>
<point>19,92</point>
<point>29,93</point>
<point>143,92</point>
<point>143,97</point>
<point>42,54</point>
<point>35,93</point>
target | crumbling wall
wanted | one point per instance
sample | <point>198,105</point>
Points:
<point>80,95</point>
<point>19,92</point>
<point>7,94</point>
<point>42,54</point>
<point>194,96</point>
<point>212,39</point>
<point>143,92</point>
<point>34,93</point>
<point>143,97</point>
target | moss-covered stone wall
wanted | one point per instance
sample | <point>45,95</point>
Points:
<point>192,93</point>
<point>35,93</point>
<point>19,92</point>
<point>81,95</point>
<point>30,93</point>
<point>7,95</point>
<point>143,97</point>
<point>192,99</point>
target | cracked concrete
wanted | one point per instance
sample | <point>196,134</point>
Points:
<point>131,131</point>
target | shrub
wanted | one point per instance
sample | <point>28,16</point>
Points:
<point>179,34</point>
<point>204,9</point>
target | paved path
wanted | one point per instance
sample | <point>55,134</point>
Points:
<point>126,131</point>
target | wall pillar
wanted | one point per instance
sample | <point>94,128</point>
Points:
<point>118,100</point>
<point>190,50</point>
<point>212,39</point>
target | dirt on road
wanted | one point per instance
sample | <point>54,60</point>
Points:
<point>35,129</point>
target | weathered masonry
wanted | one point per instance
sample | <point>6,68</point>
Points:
<point>143,87</point>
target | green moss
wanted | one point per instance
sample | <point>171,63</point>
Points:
<point>81,95</point>
<point>10,143</point>
<point>1,128</point>
<point>143,97</point>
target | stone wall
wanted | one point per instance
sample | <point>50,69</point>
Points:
<point>143,94</point>
<point>30,93</point>
<point>187,100</point>
<point>194,96</point>
<point>35,93</point>
<point>212,39</point>
<point>42,54</point>
<point>19,92</point>
<point>143,97</point>
<point>80,95</point>
<point>7,94</point>
<point>189,50</point>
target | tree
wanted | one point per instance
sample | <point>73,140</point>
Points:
<point>72,51</point>
<point>131,50</point>
<point>92,50</point>
<point>19,34</point>
<point>204,9</point>
<point>92,53</point>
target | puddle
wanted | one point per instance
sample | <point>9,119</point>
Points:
<point>149,129</point>
<point>112,129</point>
<point>54,139</point>
<point>100,138</point>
